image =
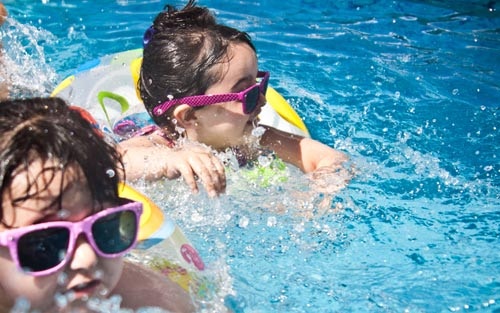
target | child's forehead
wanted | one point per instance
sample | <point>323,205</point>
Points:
<point>38,175</point>
<point>39,189</point>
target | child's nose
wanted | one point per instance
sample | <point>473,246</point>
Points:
<point>84,256</point>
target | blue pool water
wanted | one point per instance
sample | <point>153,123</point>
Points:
<point>409,89</point>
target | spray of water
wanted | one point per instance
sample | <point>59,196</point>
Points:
<point>25,68</point>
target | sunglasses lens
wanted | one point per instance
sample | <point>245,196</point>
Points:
<point>43,249</point>
<point>251,100</point>
<point>115,233</point>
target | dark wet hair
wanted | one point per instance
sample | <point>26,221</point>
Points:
<point>180,52</point>
<point>47,129</point>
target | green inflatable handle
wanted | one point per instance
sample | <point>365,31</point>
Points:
<point>124,105</point>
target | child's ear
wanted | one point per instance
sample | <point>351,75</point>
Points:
<point>184,114</point>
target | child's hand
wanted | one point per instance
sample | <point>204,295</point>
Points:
<point>195,161</point>
<point>149,157</point>
<point>329,179</point>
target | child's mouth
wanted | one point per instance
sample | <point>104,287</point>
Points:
<point>85,289</point>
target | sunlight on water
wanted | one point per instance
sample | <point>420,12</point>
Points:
<point>408,89</point>
<point>256,208</point>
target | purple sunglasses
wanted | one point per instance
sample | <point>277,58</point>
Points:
<point>248,97</point>
<point>43,249</point>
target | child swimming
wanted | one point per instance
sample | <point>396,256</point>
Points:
<point>200,83</point>
<point>63,228</point>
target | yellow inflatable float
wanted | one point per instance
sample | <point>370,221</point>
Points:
<point>182,263</point>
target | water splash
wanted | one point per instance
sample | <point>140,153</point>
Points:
<point>26,68</point>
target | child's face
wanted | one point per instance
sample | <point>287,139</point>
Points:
<point>225,124</point>
<point>86,274</point>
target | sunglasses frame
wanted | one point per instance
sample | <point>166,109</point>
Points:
<point>10,238</point>
<point>203,100</point>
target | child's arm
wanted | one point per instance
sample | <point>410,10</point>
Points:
<point>150,157</point>
<point>142,287</point>
<point>4,91</point>
<point>307,154</point>
<point>3,13</point>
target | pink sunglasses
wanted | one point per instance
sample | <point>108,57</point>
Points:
<point>43,249</point>
<point>248,97</point>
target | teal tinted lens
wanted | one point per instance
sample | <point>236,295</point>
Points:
<point>43,249</point>
<point>251,100</point>
<point>116,232</point>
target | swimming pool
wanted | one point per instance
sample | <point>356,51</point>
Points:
<point>408,88</point>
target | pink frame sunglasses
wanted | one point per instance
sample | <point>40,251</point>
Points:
<point>248,97</point>
<point>43,249</point>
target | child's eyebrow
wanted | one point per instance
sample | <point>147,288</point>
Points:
<point>242,80</point>
<point>56,204</point>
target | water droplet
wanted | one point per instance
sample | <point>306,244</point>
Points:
<point>488,168</point>
<point>62,279</point>
<point>60,300</point>
<point>104,292</point>
<point>21,305</point>
<point>258,131</point>
<point>99,274</point>
<point>243,222</point>
<point>264,160</point>
<point>111,173</point>
<point>271,221</point>
<point>196,217</point>
<point>63,214</point>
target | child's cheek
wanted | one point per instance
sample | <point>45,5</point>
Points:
<point>112,272</point>
<point>14,284</point>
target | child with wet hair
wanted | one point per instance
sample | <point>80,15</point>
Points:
<point>200,82</point>
<point>64,229</point>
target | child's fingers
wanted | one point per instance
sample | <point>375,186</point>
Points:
<point>210,172</point>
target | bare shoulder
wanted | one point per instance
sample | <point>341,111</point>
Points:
<point>141,287</point>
